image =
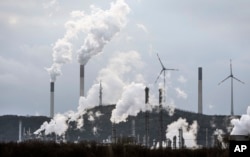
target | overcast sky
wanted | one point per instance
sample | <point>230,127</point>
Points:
<point>186,35</point>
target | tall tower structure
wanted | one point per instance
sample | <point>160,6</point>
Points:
<point>100,94</point>
<point>232,78</point>
<point>52,88</point>
<point>200,90</point>
<point>81,80</point>
<point>160,118</point>
<point>146,117</point>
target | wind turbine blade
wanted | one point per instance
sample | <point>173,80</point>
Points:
<point>159,75</point>
<point>173,69</point>
<point>238,80</point>
<point>224,80</point>
<point>160,61</point>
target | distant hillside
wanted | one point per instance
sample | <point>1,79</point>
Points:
<point>9,125</point>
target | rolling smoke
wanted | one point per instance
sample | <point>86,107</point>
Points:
<point>101,26</point>
<point>62,54</point>
<point>242,125</point>
<point>115,82</point>
<point>189,131</point>
<point>117,86</point>
<point>131,103</point>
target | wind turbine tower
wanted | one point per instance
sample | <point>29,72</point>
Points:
<point>232,77</point>
<point>163,70</point>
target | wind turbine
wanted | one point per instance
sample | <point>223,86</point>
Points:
<point>163,70</point>
<point>232,77</point>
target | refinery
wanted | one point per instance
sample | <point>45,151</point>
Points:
<point>121,106</point>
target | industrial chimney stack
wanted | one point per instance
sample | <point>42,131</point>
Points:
<point>160,118</point>
<point>20,131</point>
<point>146,117</point>
<point>81,80</point>
<point>52,87</point>
<point>200,90</point>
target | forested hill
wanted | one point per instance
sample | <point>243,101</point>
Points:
<point>9,125</point>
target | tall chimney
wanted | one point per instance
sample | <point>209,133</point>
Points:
<point>146,117</point>
<point>20,131</point>
<point>81,80</point>
<point>52,87</point>
<point>200,90</point>
<point>160,118</point>
<point>181,140</point>
<point>100,94</point>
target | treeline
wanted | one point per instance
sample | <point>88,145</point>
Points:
<point>88,149</point>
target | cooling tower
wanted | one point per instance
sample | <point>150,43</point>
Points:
<point>200,90</point>
<point>52,84</point>
<point>81,80</point>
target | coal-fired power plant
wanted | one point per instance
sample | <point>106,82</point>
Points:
<point>81,80</point>
<point>52,87</point>
<point>200,90</point>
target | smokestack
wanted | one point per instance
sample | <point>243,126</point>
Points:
<point>113,133</point>
<point>100,94</point>
<point>52,86</point>
<point>20,131</point>
<point>133,131</point>
<point>160,118</point>
<point>181,140</point>
<point>200,90</point>
<point>146,117</point>
<point>81,80</point>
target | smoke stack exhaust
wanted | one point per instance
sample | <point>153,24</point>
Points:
<point>52,87</point>
<point>200,90</point>
<point>81,80</point>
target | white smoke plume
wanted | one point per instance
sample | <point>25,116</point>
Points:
<point>114,78</point>
<point>181,93</point>
<point>189,131</point>
<point>91,116</point>
<point>57,125</point>
<point>115,81</point>
<point>62,54</point>
<point>101,26</point>
<point>131,103</point>
<point>242,125</point>
<point>219,137</point>
<point>98,114</point>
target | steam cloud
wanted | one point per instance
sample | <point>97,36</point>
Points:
<point>114,78</point>
<point>62,54</point>
<point>189,131</point>
<point>100,28</point>
<point>242,125</point>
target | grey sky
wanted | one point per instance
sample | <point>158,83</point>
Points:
<point>186,34</point>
